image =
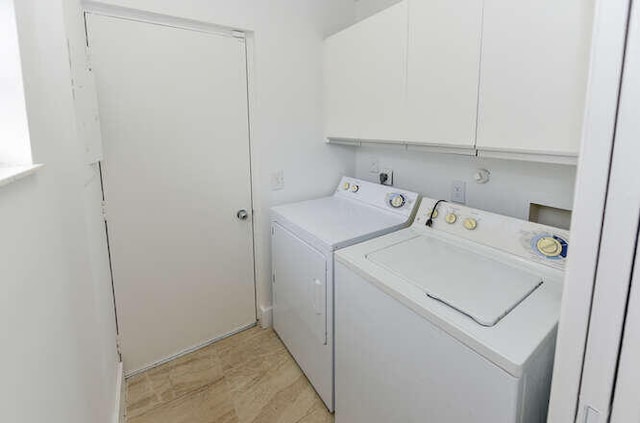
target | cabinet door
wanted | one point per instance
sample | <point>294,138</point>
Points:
<point>365,77</point>
<point>443,71</point>
<point>533,75</point>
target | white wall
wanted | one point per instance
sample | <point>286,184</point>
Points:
<point>366,8</point>
<point>287,124</point>
<point>513,184</point>
<point>57,335</point>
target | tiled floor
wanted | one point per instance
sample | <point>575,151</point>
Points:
<point>249,377</point>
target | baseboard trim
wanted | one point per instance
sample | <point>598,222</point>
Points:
<point>266,316</point>
<point>188,350</point>
<point>120,397</point>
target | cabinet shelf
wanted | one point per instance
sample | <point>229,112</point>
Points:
<point>568,158</point>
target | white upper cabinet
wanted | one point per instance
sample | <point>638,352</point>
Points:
<point>502,78</point>
<point>365,78</point>
<point>443,71</point>
<point>533,76</point>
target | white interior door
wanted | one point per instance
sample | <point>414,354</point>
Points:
<point>173,107</point>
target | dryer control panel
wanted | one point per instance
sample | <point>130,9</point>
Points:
<point>392,199</point>
<point>532,241</point>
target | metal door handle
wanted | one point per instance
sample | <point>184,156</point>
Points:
<point>242,214</point>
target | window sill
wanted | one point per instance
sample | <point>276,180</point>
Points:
<point>9,174</point>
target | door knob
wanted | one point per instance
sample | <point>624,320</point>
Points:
<point>242,214</point>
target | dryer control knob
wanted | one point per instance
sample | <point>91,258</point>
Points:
<point>354,188</point>
<point>549,246</point>
<point>397,200</point>
<point>346,186</point>
<point>451,218</point>
<point>470,223</point>
<point>432,213</point>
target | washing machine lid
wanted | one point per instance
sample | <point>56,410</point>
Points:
<point>337,222</point>
<point>480,287</point>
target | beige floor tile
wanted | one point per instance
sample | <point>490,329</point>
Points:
<point>251,400</point>
<point>148,390</point>
<point>318,414</point>
<point>211,404</point>
<point>247,378</point>
<point>194,371</point>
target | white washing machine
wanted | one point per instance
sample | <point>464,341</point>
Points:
<point>304,238</point>
<point>449,323</point>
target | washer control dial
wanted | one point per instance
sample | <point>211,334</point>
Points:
<point>397,200</point>
<point>549,246</point>
<point>346,186</point>
<point>451,218</point>
<point>355,187</point>
<point>470,223</point>
<point>432,213</point>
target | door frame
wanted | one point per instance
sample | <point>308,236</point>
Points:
<point>591,256</point>
<point>93,7</point>
<point>613,290</point>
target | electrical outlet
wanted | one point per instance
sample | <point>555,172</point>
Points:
<point>374,166</point>
<point>277,180</point>
<point>385,177</point>
<point>458,191</point>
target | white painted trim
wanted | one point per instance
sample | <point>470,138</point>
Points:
<point>266,316</point>
<point>441,149</point>
<point>358,141</point>
<point>625,404</point>
<point>188,350</point>
<point>506,154</point>
<point>626,407</point>
<point>120,396</point>
<point>122,12</point>
<point>344,141</point>
<point>9,174</point>
<point>529,157</point>
<point>617,245</point>
<point>256,201</point>
<point>588,210</point>
<point>384,144</point>
<point>533,152</point>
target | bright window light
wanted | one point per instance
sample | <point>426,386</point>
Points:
<point>15,148</point>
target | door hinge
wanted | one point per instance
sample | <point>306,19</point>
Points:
<point>118,346</point>
<point>273,230</point>
<point>591,415</point>
<point>273,278</point>
<point>89,61</point>
<point>103,210</point>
